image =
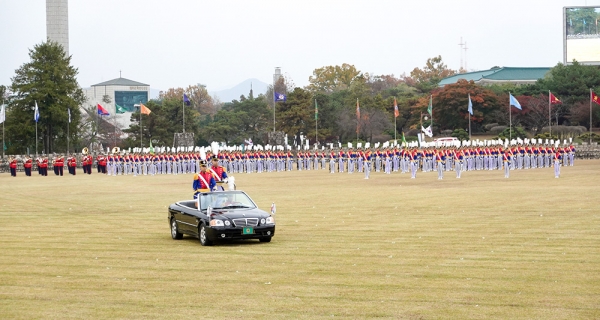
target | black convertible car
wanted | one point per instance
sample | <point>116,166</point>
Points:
<point>220,215</point>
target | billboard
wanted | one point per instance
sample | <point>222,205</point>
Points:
<point>127,99</point>
<point>581,40</point>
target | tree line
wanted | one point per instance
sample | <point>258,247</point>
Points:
<point>325,110</point>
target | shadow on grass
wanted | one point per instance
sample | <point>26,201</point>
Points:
<point>224,243</point>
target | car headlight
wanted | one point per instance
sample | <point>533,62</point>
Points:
<point>227,223</point>
<point>262,221</point>
<point>270,220</point>
<point>216,223</point>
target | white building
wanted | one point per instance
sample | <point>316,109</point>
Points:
<point>121,92</point>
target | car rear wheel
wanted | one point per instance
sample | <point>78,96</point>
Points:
<point>203,237</point>
<point>265,239</point>
<point>175,234</point>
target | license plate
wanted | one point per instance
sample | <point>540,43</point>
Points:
<point>248,230</point>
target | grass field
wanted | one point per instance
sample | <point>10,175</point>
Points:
<point>482,246</point>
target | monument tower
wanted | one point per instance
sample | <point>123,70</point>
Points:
<point>57,22</point>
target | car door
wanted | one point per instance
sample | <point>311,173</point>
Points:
<point>186,220</point>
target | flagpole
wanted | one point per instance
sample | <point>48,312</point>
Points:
<point>509,119</point>
<point>3,121</point>
<point>68,125</point>
<point>431,102</point>
<point>316,123</point>
<point>36,134</point>
<point>549,114</point>
<point>357,120</point>
<point>183,113</point>
<point>469,126</point>
<point>115,127</point>
<point>141,134</point>
<point>395,128</point>
<point>590,116</point>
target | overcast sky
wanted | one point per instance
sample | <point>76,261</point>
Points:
<point>220,43</point>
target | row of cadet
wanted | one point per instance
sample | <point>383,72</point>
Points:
<point>346,160</point>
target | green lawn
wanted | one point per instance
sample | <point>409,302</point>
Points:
<point>478,247</point>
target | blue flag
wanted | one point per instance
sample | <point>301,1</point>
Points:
<point>186,100</point>
<point>514,102</point>
<point>470,105</point>
<point>280,97</point>
<point>36,114</point>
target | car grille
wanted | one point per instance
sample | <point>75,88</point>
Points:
<point>245,222</point>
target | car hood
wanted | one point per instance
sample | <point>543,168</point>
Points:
<point>240,213</point>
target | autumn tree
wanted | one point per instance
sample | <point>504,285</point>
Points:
<point>450,105</point>
<point>333,78</point>
<point>430,76</point>
<point>535,112</point>
<point>200,100</point>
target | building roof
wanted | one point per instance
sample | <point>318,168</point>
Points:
<point>509,73</point>
<point>120,82</point>
<point>499,75</point>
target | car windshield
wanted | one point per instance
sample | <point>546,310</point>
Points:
<point>226,200</point>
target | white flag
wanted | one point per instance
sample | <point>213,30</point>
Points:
<point>427,131</point>
<point>69,110</point>
<point>3,114</point>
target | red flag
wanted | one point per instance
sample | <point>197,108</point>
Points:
<point>554,99</point>
<point>396,112</point>
<point>595,98</point>
<point>101,110</point>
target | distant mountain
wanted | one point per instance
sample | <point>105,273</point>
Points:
<point>227,95</point>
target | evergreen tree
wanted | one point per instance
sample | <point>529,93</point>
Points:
<point>50,81</point>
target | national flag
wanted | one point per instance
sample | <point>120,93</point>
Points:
<point>151,150</point>
<point>427,131</point>
<point>404,139</point>
<point>316,110</point>
<point>554,99</point>
<point>357,110</point>
<point>3,114</point>
<point>186,100</point>
<point>144,109</point>
<point>69,112</point>
<point>396,112</point>
<point>102,111</point>
<point>514,102</point>
<point>470,105</point>
<point>595,98</point>
<point>36,113</point>
<point>119,109</point>
<point>273,208</point>
<point>279,97</point>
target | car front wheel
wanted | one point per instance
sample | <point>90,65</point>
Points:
<point>175,234</point>
<point>203,236</point>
